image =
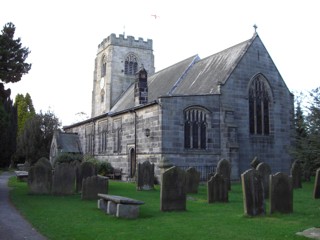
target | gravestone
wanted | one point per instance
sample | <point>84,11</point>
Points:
<point>93,185</point>
<point>316,190</point>
<point>192,180</point>
<point>64,178</point>
<point>40,177</point>
<point>253,193</point>
<point>265,171</point>
<point>145,176</point>
<point>281,193</point>
<point>86,169</point>
<point>224,168</point>
<point>217,189</point>
<point>255,162</point>
<point>296,173</point>
<point>173,190</point>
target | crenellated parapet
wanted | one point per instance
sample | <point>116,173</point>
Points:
<point>128,41</point>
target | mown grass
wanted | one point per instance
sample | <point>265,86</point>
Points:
<point>69,217</point>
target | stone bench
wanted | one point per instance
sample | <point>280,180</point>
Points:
<point>119,206</point>
<point>22,175</point>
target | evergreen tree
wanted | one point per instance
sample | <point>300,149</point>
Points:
<point>25,110</point>
<point>12,56</point>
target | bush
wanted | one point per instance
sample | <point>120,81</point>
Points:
<point>103,167</point>
<point>68,157</point>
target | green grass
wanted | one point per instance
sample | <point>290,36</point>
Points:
<point>71,218</point>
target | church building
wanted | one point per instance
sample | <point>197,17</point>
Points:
<point>233,104</point>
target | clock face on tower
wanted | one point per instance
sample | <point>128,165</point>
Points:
<point>102,82</point>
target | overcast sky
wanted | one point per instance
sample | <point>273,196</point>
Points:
<point>63,38</point>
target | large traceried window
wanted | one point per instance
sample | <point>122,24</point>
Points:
<point>130,65</point>
<point>259,106</point>
<point>195,128</point>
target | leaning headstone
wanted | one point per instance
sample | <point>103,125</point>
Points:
<point>192,180</point>
<point>173,190</point>
<point>224,168</point>
<point>64,178</point>
<point>253,194</point>
<point>296,173</point>
<point>265,171</point>
<point>145,176</point>
<point>40,177</point>
<point>217,189</point>
<point>93,185</point>
<point>316,190</point>
<point>255,162</point>
<point>281,193</point>
<point>86,169</point>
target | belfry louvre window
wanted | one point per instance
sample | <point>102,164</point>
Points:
<point>195,129</point>
<point>259,106</point>
<point>103,67</point>
<point>131,65</point>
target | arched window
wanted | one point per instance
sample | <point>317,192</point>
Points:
<point>259,106</point>
<point>195,128</point>
<point>130,65</point>
<point>103,66</point>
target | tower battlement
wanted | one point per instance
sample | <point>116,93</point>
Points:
<point>128,41</point>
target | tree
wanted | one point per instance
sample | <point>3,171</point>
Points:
<point>35,140</point>
<point>12,56</point>
<point>25,110</point>
<point>8,127</point>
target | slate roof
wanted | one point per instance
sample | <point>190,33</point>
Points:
<point>192,76</point>
<point>68,142</point>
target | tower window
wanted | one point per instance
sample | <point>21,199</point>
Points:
<point>195,129</point>
<point>259,105</point>
<point>103,66</point>
<point>131,65</point>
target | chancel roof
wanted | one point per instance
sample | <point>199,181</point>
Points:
<point>68,142</point>
<point>192,76</point>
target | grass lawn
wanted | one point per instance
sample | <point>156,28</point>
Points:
<point>71,218</point>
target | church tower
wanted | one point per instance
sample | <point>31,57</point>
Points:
<point>118,60</point>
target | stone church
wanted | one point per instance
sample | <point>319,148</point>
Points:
<point>233,104</point>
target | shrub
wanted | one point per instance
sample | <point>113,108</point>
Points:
<point>103,167</point>
<point>69,157</point>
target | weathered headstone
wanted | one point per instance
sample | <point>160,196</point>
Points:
<point>40,177</point>
<point>296,173</point>
<point>192,180</point>
<point>93,185</point>
<point>173,190</point>
<point>64,178</point>
<point>145,176</point>
<point>224,168</point>
<point>86,169</point>
<point>253,194</point>
<point>281,193</point>
<point>255,162</point>
<point>316,190</point>
<point>217,189</point>
<point>265,171</point>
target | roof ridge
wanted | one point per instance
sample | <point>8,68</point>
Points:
<point>194,60</point>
